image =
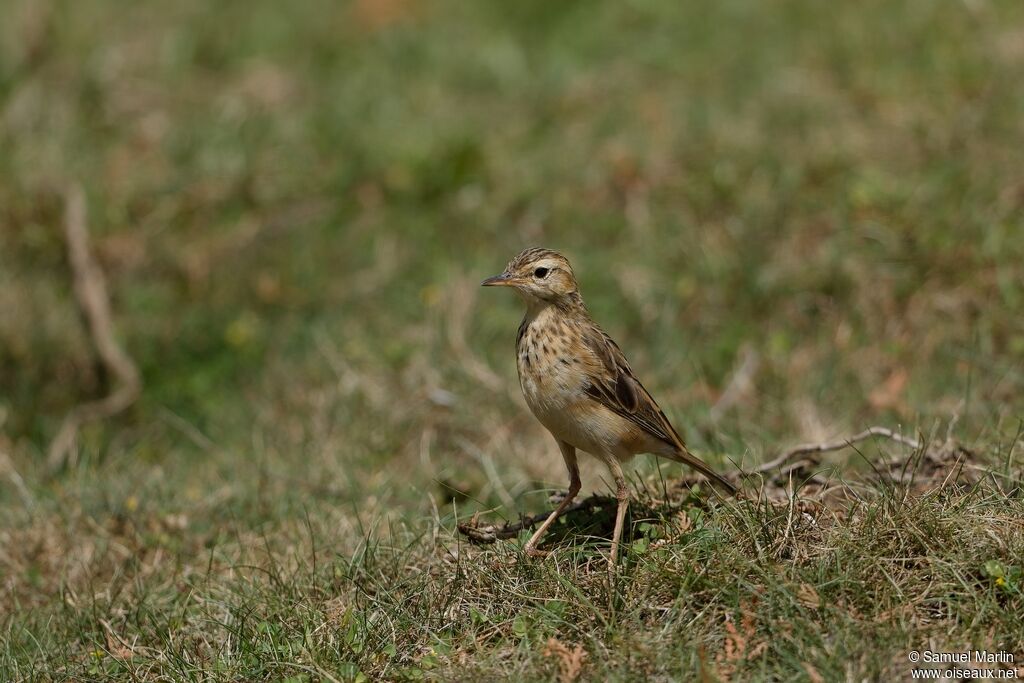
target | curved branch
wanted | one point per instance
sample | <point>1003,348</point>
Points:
<point>839,444</point>
<point>91,295</point>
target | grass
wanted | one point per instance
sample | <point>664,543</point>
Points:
<point>294,208</point>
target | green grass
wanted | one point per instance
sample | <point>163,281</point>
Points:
<point>294,207</point>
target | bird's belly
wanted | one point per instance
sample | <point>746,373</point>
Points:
<point>550,388</point>
<point>557,399</point>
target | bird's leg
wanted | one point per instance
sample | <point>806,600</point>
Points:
<point>569,455</point>
<point>622,496</point>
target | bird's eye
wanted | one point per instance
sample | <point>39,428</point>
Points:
<point>540,273</point>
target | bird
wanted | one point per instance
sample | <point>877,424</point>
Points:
<point>580,387</point>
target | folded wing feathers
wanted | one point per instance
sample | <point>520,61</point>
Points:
<point>615,387</point>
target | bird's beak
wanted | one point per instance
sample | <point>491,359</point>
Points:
<point>503,280</point>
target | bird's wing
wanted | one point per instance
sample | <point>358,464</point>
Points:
<point>613,385</point>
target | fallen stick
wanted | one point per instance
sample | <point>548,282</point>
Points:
<point>825,447</point>
<point>91,296</point>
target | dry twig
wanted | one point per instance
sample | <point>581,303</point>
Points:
<point>827,446</point>
<point>91,295</point>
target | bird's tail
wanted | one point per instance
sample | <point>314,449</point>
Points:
<point>687,458</point>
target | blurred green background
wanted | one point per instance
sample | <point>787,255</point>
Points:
<point>837,185</point>
<point>294,205</point>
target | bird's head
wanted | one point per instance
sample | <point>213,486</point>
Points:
<point>537,275</point>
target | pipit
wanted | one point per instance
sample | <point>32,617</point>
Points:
<point>580,387</point>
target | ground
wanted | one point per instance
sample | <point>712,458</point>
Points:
<point>798,219</point>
